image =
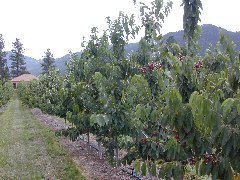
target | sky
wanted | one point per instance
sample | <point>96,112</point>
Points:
<point>61,24</point>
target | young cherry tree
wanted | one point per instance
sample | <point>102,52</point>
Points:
<point>80,87</point>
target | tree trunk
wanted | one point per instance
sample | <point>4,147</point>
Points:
<point>117,155</point>
<point>100,150</point>
<point>88,140</point>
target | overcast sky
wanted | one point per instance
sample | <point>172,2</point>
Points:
<point>61,24</point>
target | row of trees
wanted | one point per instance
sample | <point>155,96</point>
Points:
<point>174,114</point>
<point>18,64</point>
<point>6,92</point>
<point>4,71</point>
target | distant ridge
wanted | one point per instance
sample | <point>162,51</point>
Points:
<point>33,65</point>
<point>210,35</point>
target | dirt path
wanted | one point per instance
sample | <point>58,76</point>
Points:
<point>28,150</point>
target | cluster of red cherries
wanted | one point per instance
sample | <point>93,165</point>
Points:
<point>193,160</point>
<point>206,159</point>
<point>181,57</point>
<point>150,67</point>
<point>209,158</point>
<point>198,65</point>
<point>177,137</point>
<point>155,134</point>
<point>145,141</point>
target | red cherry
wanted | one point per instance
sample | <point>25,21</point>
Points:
<point>151,66</point>
<point>198,65</point>
<point>177,137</point>
<point>193,161</point>
<point>205,161</point>
<point>155,134</point>
<point>143,70</point>
<point>181,57</point>
<point>174,131</point>
<point>144,141</point>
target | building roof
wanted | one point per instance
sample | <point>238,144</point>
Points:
<point>24,77</point>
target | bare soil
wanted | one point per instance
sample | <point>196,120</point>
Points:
<point>2,109</point>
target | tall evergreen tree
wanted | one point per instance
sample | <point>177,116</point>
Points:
<point>48,62</point>
<point>4,72</point>
<point>18,66</point>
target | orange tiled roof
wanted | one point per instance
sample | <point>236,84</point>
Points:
<point>24,77</point>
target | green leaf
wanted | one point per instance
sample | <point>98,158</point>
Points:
<point>144,169</point>
<point>238,107</point>
<point>226,136</point>
<point>154,169</point>
<point>227,106</point>
<point>137,165</point>
<point>68,116</point>
<point>99,119</point>
<point>75,108</point>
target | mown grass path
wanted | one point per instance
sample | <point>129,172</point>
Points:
<point>28,150</point>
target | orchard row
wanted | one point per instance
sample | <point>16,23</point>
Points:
<point>173,113</point>
<point>6,91</point>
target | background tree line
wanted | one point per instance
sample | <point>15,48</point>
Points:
<point>18,64</point>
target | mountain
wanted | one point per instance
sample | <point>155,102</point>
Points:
<point>210,35</point>
<point>60,63</point>
<point>33,65</point>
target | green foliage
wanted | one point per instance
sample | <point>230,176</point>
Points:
<point>48,62</point>
<point>43,93</point>
<point>191,17</point>
<point>4,71</point>
<point>18,66</point>
<point>6,92</point>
